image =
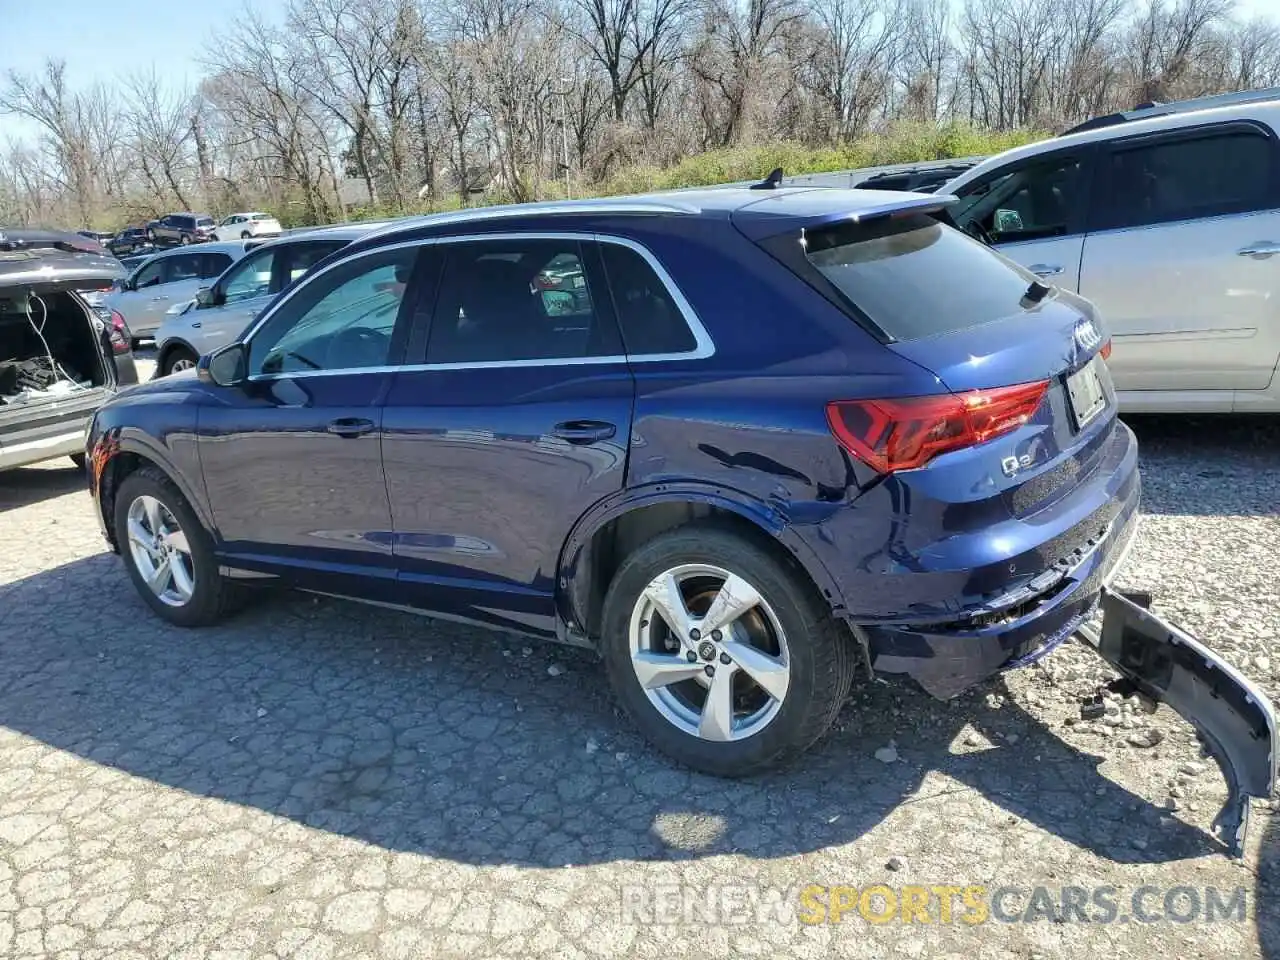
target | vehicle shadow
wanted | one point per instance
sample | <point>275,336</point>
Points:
<point>1209,465</point>
<point>1267,901</point>
<point>25,486</point>
<point>420,736</point>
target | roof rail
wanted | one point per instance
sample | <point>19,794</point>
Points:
<point>1144,111</point>
<point>596,205</point>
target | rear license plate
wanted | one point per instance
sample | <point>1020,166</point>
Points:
<point>1084,390</point>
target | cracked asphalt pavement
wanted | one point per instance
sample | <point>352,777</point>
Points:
<point>316,779</point>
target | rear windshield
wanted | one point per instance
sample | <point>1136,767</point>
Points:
<point>913,277</point>
<point>260,216</point>
<point>204,222</point>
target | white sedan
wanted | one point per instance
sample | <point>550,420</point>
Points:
<point>242,226</point>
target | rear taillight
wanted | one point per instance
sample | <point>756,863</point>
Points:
<point>1105,352</point>
<point>119,333</point>
<point>908,432</point>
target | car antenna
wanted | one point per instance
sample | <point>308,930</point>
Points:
<point>771,181</point>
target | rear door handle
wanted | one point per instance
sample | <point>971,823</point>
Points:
<point>1045,269</point>
<point>1261,250</point>
<point>160,298</point>
<point>584,431</point>
<point>351,427</point>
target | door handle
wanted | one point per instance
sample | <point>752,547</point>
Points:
<point>1261,250</point>
<point>1045,269</point>
<point>351,427</point>
<point>159,298</point>
<point>584,431</point>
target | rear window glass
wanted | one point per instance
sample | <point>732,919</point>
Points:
<point>205,222</point>
<point>914,277</point>
<point>260,216</point>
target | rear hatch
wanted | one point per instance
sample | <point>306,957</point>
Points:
<point>1024,403</point>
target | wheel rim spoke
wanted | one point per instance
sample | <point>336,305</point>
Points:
<point>181,577</point>
<point>138,534</point>
<point>160,577</point>
<point>771,674</point>
<point>717,711</point>
<point>735,598</point>
<point>659,670</point>
<point>664,593</point>
<point>178,540</point>
<point>152,507</point>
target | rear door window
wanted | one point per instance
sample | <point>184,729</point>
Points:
<point>650,321</point>
<point>914,277</point>
<point>1188,177</point>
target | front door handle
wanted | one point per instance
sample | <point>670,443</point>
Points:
<point>1260,250</point>
<point>161,297</point>
<point>1045,269</point>
<point>351,427</point>
<point>584,431</point>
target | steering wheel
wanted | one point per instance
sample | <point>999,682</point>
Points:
<point>975,229</point>
<point>358,347</point>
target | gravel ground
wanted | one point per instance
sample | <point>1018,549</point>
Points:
<point>317,779</point>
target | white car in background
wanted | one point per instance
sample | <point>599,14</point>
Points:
<point>1168,218</point>
<point>220,312</point>
<point>242,226</point>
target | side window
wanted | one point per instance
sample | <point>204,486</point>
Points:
<point>344,320</point>
<point>1189,178</point>
<point>250,278</point>
<point>518,299</point>
<point>301,258</point>
<point>647,315</point>
<point>212,265</point>
<point>1032,203</point>
<point>150,275</point>
<point>185,267</point>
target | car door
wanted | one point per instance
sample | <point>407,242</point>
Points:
<point>235,299</point>
<point>292,457</point>
<point>1033,212</point>
<point>134,300</point>
<point>514,418</point>
<point>1181,257</point>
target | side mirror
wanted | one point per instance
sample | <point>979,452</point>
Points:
<point>128,285</point>
<point>225,367</point>
<point>206,297</point>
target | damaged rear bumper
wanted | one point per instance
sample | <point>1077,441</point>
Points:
<point>1234,717</point>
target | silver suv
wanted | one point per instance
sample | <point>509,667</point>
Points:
<point>1168,218</point>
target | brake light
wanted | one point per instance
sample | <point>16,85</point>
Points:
<point>907,432</point>
<point>119,335</point>
<point>1105,352</point>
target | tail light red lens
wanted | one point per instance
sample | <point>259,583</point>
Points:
<point>1105,352</point>
<point>908,432</point>
<point>119,333</point>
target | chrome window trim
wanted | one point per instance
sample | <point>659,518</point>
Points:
<point>704,346</point>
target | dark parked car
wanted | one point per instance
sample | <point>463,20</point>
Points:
<point>129,241</point>
<point>60,357</point>
<point>774,435</point>
<point>181,228</point>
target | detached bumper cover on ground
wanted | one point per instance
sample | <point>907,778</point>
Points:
<point>1235,718</point>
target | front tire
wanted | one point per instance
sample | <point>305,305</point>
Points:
<point>245,234</point>
<point>167,552</point>
<point>725,657</point>
<point>185,240</point>
<point>177,360</point>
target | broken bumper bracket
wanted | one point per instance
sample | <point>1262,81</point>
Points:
<point>1234,717</point>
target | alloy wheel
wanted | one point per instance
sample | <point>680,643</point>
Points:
<point>709,652</point>
<point>160,551</point>
<point>180,364</point>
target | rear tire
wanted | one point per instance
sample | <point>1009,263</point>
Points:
<point>177,360</point>
<point>193,594</point>
<point>185,240</point>
<point>784,663</point>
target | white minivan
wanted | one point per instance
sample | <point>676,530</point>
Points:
<point>1168,219</point>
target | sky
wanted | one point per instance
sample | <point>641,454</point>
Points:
<point>104,39</point>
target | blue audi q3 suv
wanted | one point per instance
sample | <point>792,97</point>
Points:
<point>740,441</point>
